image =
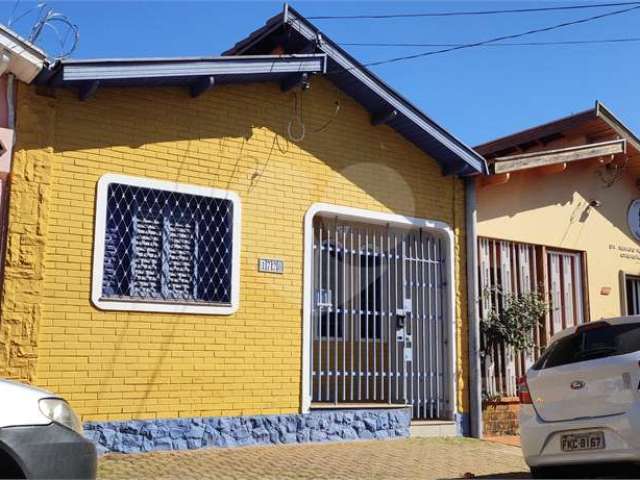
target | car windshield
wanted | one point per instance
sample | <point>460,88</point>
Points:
<point>590,344</point>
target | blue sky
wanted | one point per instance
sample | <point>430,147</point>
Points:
<point>478,94</point>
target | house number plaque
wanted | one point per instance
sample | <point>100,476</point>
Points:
<point>270,265</point>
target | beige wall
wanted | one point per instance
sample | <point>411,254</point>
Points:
<point>553,210</point>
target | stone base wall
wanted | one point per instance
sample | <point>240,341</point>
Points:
<point>500,417</point>
<point>135,436</point>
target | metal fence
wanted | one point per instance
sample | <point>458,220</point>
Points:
<point>378,317</point>
<point>514,268</point>
<point>167,246</point>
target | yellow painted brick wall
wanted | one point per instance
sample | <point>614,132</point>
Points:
<point>114,365</point>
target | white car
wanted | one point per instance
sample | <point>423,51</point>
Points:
<point>41,436</point>
<point>580,402</point>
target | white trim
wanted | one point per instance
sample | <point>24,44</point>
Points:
<point>440,229</point>
<point>142,306</point>
<point>26,60</point>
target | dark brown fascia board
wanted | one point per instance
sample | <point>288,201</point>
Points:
<point>616,124</point>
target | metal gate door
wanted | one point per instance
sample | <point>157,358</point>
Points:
<point>377,317</point>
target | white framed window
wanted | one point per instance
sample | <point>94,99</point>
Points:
<point>162,246</point>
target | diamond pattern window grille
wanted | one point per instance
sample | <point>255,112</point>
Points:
<point>167,246</point>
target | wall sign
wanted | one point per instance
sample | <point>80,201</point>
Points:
<point>270,265</point>
<point>633,218</point>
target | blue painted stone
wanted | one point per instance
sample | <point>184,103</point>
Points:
<point>312,421</point>
<point>93,435</point>
<point>149,431</point>
<point>225,440</point>
<point>348,418</point>
<point>189,433</point>
<point>257,422</point>
<point>224,423</point>
<point>147,445</point>
<point>370,423</point>
<point>107,437</point>
<point>365,435</point>
<point>290,438</point>
<point>195,432</point>
<point>349,434</point>
<point>241,433</point>
<point>101,449</point>
<point>179,444</point>
<point>210,436</point>
<point>193,443</point>
<point>318,436</point>
<point>177,432</point>
<point>382,421</point>
<point>260,435</point>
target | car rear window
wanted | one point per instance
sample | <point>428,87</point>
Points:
<point>590,344</point>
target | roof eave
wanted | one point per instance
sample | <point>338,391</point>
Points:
<point>617,125</point>
<point>470,162</point>
<point>142,72</point>
<point>25,60</point>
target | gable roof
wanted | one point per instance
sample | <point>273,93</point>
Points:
<point>293,33</point>
<point>597,122</point>
<point>302,50</point>
<point>583,135</point>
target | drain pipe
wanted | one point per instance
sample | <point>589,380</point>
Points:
<point>475,378</point>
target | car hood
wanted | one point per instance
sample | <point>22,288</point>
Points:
<point>19,404</point>
<point>8,386</point>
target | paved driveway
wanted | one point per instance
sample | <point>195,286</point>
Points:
<point>397,459</point>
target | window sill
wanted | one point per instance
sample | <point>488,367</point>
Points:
<point>159,306</point>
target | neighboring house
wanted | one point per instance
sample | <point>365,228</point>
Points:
<point>560,213</point>
<point>20,63</point>
<point>272,232</point>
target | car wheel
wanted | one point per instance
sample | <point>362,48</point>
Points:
<point>544,472</point>
<point>9,468</point>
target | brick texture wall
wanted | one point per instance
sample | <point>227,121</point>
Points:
<point>122,365</point>
<point>500,417</point>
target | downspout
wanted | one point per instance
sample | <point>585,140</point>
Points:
<point>11,110</point>
<point>4,193</point>
<point>475,378</point>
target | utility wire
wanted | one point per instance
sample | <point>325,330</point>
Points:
<point>471,12</point>
<point>503,37</point>
<point>504,44</point>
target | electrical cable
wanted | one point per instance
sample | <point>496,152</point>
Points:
<point>505,44</point>
<point>471,12</point>
<point>297,119</point>
<point>503,37</point>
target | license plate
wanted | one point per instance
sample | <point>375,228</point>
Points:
<point>582,441</point>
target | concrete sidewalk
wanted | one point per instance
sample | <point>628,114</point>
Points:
<point>417,458</point>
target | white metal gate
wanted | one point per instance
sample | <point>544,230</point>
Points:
<point>378,310</point>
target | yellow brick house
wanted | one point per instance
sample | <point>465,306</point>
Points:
<point>263,247</point>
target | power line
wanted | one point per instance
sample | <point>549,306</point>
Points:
<point>503,37</point>
<point>504,44</point>
<point>471,12</point>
